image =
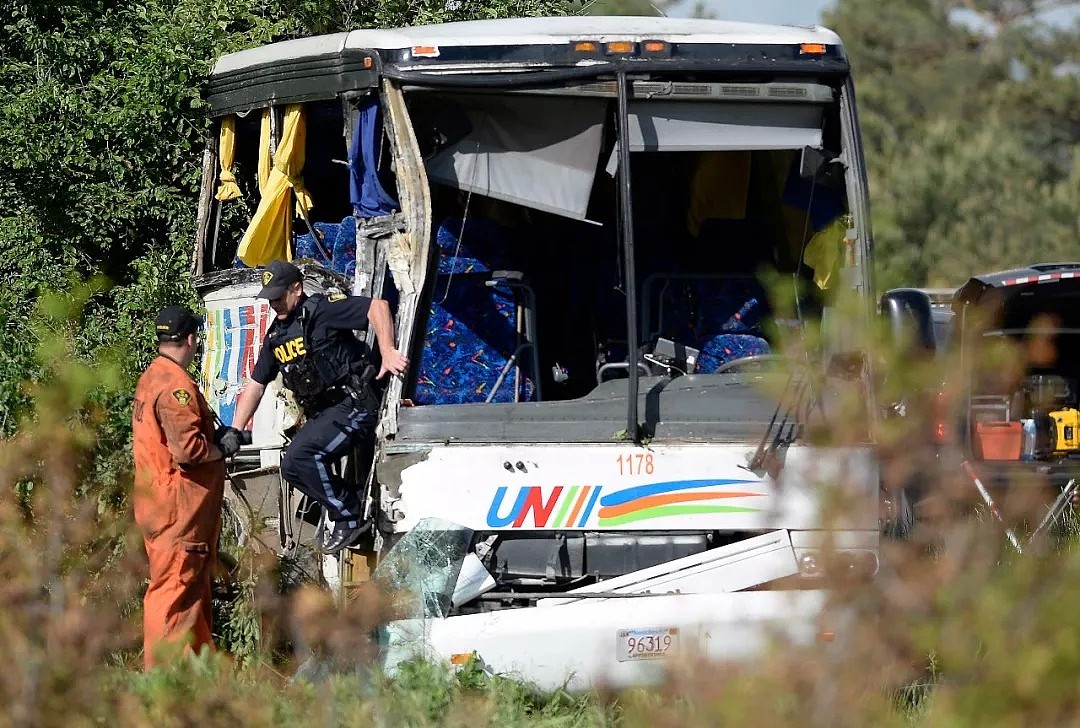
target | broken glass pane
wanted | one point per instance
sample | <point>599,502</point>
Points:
<point>421,570</point>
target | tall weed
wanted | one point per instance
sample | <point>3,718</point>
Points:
<point>954,629</point>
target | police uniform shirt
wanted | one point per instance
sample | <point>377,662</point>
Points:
<point>332,321</point>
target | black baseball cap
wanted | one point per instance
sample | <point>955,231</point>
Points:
<point>276,277</point>
<point>175,322</point>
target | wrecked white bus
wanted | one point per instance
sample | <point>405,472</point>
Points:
<point>579,476</point>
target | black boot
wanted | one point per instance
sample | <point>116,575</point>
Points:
<point>341,536</point>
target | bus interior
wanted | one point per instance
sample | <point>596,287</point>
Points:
<point>526,296</point>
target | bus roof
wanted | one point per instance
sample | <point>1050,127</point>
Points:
<point>530,31</point>
<point>517,50</point>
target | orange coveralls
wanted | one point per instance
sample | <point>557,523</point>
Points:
<point>179,486</point>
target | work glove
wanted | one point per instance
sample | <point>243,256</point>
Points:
<point>229,439</point>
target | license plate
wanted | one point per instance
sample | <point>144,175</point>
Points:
<point>646,644</point>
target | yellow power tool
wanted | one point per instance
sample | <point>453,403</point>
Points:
<point>1066,430</point>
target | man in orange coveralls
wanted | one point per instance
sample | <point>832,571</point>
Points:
<point>179,486</point>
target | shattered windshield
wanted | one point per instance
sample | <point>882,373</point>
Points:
<point>422,568</point>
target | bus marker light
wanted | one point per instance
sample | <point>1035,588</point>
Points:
<point>620,46</point>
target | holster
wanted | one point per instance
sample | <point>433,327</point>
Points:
<point>364,389</point>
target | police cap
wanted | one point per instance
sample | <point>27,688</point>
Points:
<point>176,322</point>
<point>278,276</point>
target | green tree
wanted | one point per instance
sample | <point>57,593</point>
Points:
<point>965,201</point>
<point>972,138</point>
<point>656,8</point>
<point>327,16</point>
<point>102,126</point>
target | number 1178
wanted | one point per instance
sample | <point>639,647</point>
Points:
<point>636,463</point>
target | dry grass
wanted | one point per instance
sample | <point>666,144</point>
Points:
<point>955,629</point>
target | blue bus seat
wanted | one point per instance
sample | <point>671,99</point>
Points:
<point>718,315</point>
<point>724,348</point>
<point>339,239</point>
<point>472,326</point>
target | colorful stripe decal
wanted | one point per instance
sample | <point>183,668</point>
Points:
<point>220,349</point>
<point>230,349</point>
<point>560,520</point>
<point>665,511</point>
<point>589,508</point>
<point>580,503</point>
<point>642,491</point>
<point>668,499</point>
<point>233,337</point>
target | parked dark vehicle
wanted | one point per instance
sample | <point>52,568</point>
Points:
<point>1026,412</point>
<point>1012,424</point>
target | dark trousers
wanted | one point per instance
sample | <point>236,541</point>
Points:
<point>324,439</point>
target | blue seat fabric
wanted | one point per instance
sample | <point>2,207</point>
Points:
<point>471,327</point>
<point>719,317</point>
<point>339,239</point>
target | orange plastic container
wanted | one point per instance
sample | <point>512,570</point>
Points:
<point>998,440</point>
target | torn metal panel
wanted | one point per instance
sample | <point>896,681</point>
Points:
<point>741,565</point>
<point>399,257</point>
<point>390,470</point>
<point>587,650</point>
<point>316,279</point>
<point>204,230</point>
<point>372,238</point>
<point>407,254</point>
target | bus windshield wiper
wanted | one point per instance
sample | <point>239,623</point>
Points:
<point>787,420</point>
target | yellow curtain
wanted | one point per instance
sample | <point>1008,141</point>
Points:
<point>825,251</point>
<point>227,189</point>
<point>719,188</point>
<point>269,233</point>
<point>264,149</point>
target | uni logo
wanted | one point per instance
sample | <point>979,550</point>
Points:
<point>571,506</point>
<point>575,504</point>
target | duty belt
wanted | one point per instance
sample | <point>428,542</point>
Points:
<point>326,399</point>
<point>358,387</point>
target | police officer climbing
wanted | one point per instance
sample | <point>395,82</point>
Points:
<point>312,345</point>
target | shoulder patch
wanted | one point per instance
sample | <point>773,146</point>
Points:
<point>335,297</point>
<point>182,396</point>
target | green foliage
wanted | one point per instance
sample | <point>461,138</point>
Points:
<point>966,201</point>
<point>971,117</point>
<point>972,139</point>
<point>241,632</point>
<point>627,7</point>
<point>423,693</point>
<point>326,16</point>
<point>102,127</point>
